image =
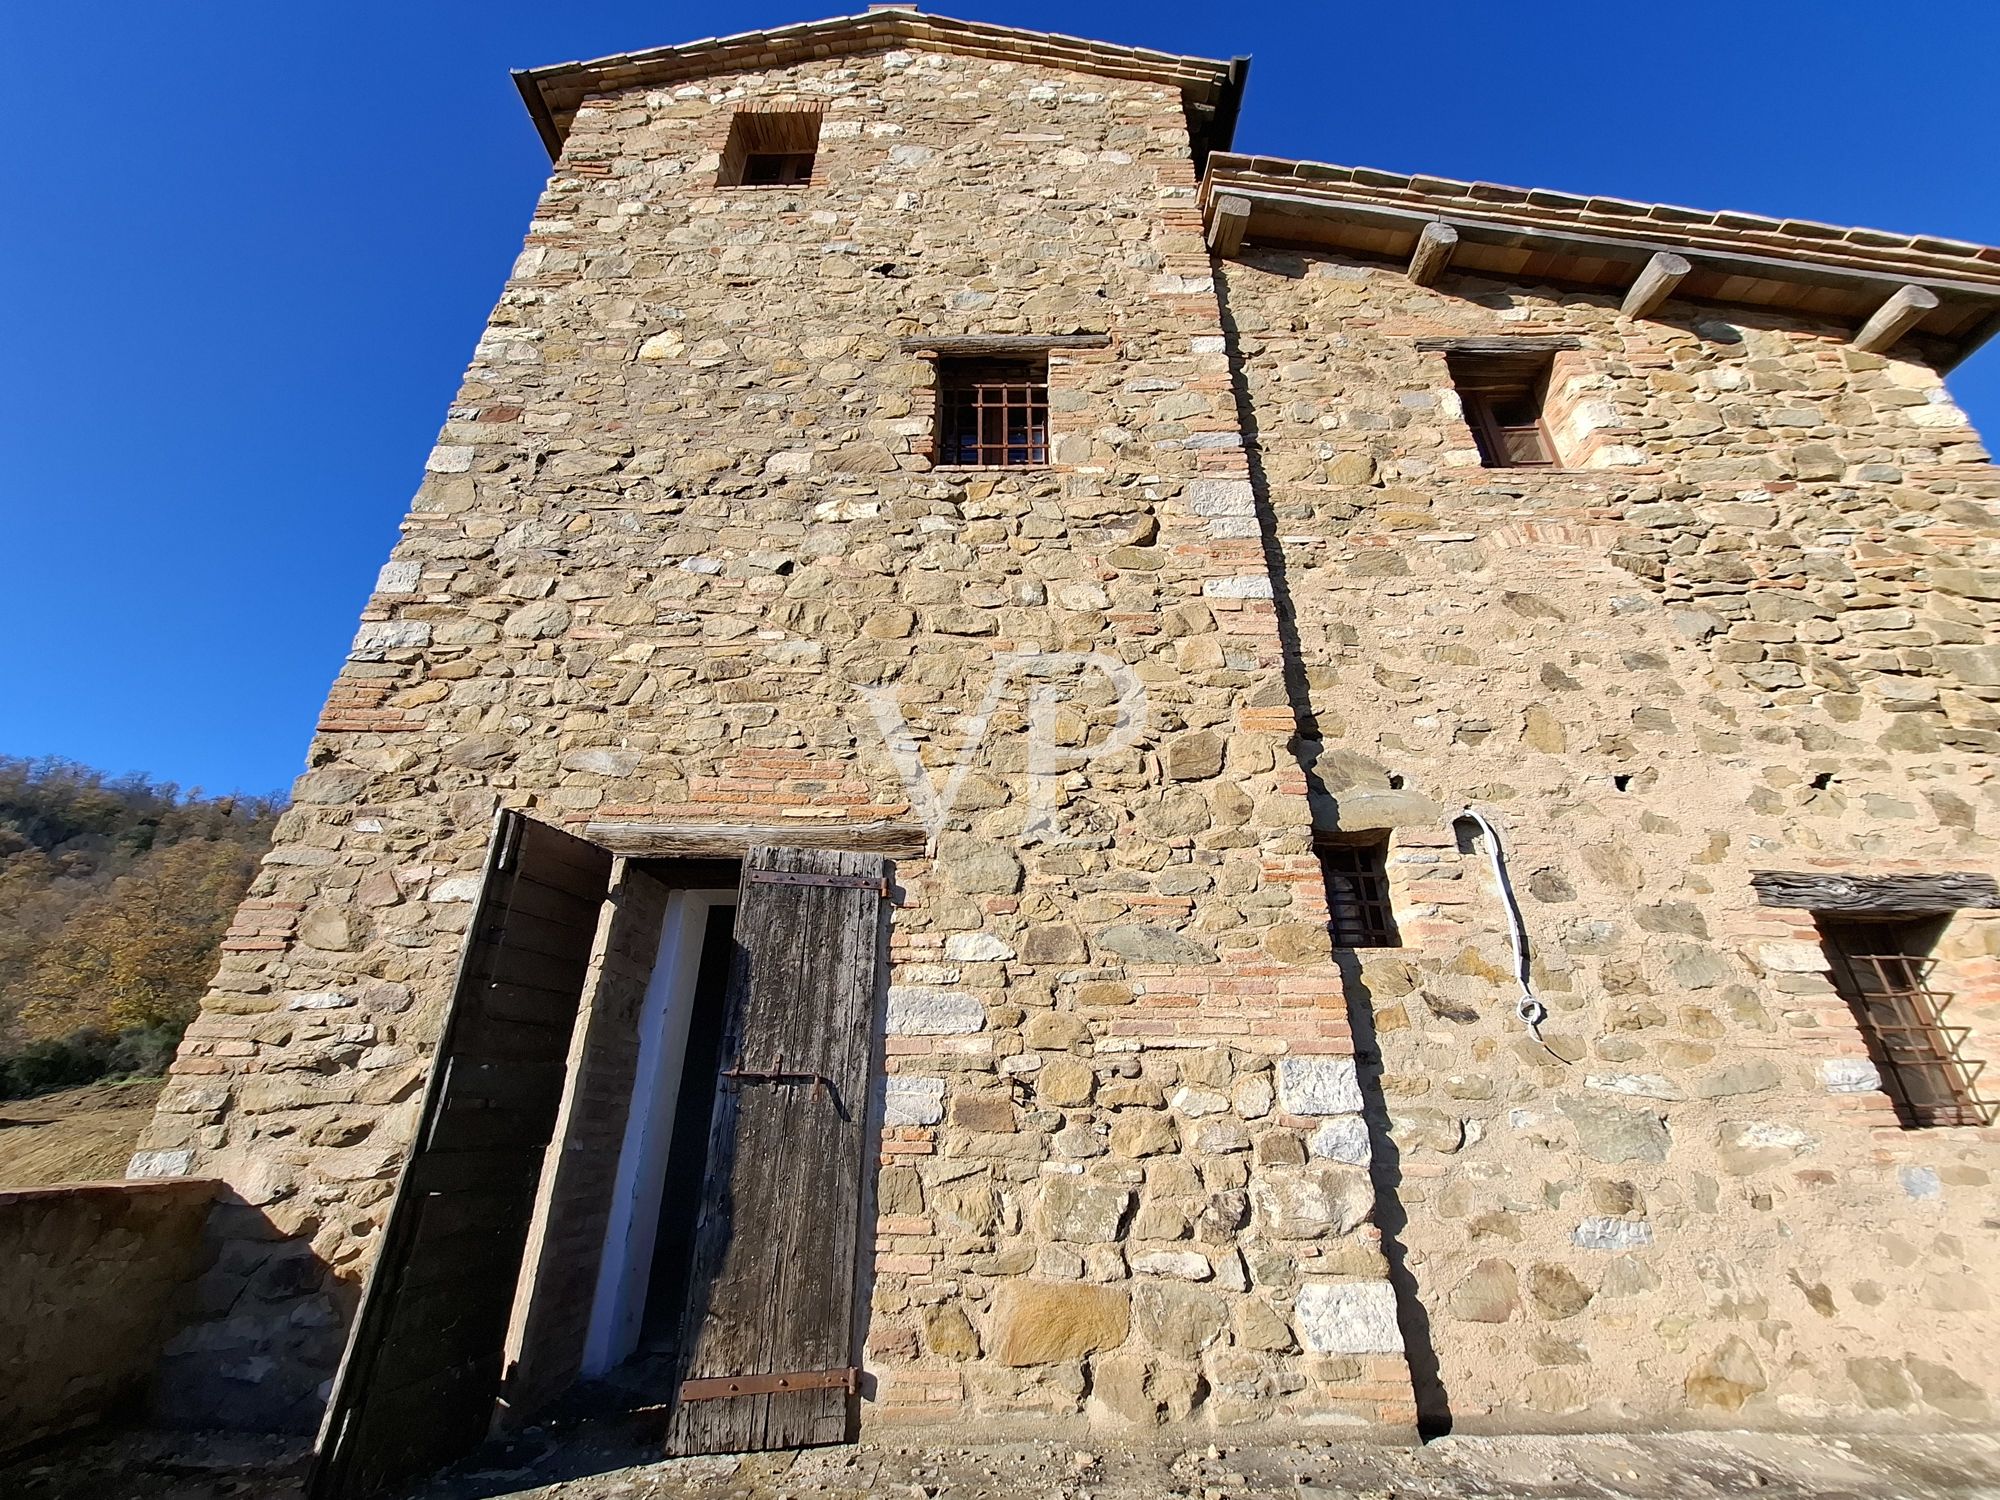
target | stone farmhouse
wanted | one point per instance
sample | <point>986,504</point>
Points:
<point>1017,769</point>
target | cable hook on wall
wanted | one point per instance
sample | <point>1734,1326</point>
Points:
<point>1528,1007</point>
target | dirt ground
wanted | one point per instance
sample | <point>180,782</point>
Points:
<point>74,1135</point>
<point>600,1465</point>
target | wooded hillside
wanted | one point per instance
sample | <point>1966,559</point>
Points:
<point>113,896</point>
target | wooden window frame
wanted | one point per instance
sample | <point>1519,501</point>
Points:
<point>1484,382</point>
<point>1360,910</point>
<point>771,148</point>
<point>1882,968</point>
<point>978,403</point>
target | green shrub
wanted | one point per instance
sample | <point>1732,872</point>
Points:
<point>86,1056</point>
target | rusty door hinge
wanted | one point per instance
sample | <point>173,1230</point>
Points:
<point>876,883</point>
<point>719,1387</point>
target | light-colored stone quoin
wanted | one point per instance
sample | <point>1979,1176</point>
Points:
<point>683,548</point>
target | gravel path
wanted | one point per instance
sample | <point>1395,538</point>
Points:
<point>600,1464</point>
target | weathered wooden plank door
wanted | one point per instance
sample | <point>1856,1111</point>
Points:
<point>417,1384</point>
<point>771,1303</point>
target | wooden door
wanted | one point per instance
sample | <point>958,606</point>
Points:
<point>766,1352</point>
<point>416,1387</point>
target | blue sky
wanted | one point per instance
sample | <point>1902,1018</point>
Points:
<point>249,248</point>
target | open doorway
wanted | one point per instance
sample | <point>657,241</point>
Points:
<point>649,1242</point>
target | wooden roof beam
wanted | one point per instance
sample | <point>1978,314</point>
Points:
<point>1435,243</point>
<point>1656,282</point>
<point>1228,223</point>
<point>1903,311</point>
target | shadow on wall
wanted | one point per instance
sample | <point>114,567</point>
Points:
<point>1385,1161</point>
<point>1385,1174</point>
<point>95,1275</point>
<point>263,1323</point>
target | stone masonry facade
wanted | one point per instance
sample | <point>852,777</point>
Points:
<point>684,516</point>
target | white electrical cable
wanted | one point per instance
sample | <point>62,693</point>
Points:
<point>1531,1010</point>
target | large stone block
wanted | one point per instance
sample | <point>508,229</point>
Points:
<point>1355,1317</point>
<point>1042,1322</point>
<point>1312,1085</point>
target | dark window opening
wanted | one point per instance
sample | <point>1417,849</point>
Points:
<point>770,148</point>
<point>993,413</point>
<point>769,168</point>
<point>1357,891</point>
<point>1503,397</point>
<point>1882,969</point>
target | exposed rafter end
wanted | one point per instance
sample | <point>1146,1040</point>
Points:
<point>1435,243</point>
<point>1656,283</point>
<point>1894,318</point>
<point>1229,221</point>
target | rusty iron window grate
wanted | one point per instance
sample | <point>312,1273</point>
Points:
<point>1357,892</point>
<point>770,148</point>
<point>1503,396</point>
<point>993,413</point>
<point>1919,1055</point>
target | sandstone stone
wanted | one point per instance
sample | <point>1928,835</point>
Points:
<point>1726,1377</point>
<point>1040,1323</point>
<point>1608,1132</point>
<point>1064,1082</point>
<point>1194,757</point>
<point>1554,1292</point>
<point>1081,1212</point>
<point>1143,1132</point>
<point>1179,1322</point>
<point>1754,1076</point>
<point>1058,943</point>
<point>948,1333</point>
<point>977,866</point>
<point>1310,1204</point>
<point>1145,943</point>
<point>1488,1293</point>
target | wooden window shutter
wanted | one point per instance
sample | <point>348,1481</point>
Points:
<point>416,1387</point>
<point>766,1352</point>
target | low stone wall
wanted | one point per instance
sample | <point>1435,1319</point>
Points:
<point>88,1273</point>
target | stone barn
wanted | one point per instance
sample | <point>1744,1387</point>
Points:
<point>1017,769</point>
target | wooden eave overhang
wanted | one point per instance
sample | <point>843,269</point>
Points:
<point>1945,294</point>
<point>1211,90</point>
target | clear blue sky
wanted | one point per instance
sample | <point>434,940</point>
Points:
<point>249,247</point>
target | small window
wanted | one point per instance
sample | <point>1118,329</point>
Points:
<point>1503,396</point>
<point>770,148</point>
<point>1357,891</point>
<point>993,413</point>
<point>1882,969</point>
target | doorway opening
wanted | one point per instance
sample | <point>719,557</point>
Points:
<point>649,1243</point>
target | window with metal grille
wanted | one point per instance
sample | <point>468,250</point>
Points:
<point>993,412</point>
<point>1357,891</point>
<point>1503,396</point>
<point>770,148</point>
<point>1883,971</point>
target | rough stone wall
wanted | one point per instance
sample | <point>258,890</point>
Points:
<point>1750,627</point>
<point>91,1280</point>
<point>682,513</point>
